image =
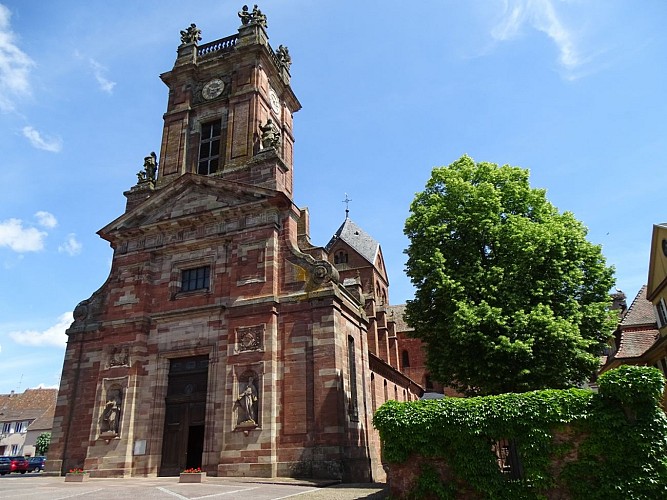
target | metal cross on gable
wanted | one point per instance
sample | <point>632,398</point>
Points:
<point>347,206</point>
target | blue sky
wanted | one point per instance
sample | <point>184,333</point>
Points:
<point>573,90</point>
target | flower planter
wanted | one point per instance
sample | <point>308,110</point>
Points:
<point>192,477</point>
<point>75,478</point>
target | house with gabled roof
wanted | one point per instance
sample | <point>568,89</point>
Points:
<point>637,331</point>
<point>23,417</point>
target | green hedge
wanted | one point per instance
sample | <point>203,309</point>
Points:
<point>621,433</point>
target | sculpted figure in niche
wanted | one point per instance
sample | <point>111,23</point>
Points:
<point>247,403</point>
<point>110,420</point>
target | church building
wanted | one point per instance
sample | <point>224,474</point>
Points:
<point>223,338</point>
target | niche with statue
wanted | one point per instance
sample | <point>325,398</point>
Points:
<point>246,405</point>
<point>111,412</point>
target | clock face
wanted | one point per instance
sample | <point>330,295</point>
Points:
<point>275,102</point>
<point>213,88</point>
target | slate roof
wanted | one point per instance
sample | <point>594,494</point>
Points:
<point>641,311</point>
<point>396,313</point>
<point>358,239</point>
<point>33,404</point>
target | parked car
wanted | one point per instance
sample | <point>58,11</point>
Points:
<point>5,465</point>
<point>18,464</point>
<point>432,395</point>
<point>36,464</point>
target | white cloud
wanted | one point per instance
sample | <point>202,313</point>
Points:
<point>51,144</point>
<point>71,246</point>
<point>99,71</point>
<point>46,219</point>
<point>14,65</point>
<point>54,335</point>
<point>44,386</point>
<point>21,239</point>
<point>542,16</point>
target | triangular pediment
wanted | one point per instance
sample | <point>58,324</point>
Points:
<point>190,196</point>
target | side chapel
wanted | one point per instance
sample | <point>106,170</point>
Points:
<point>223,338</point>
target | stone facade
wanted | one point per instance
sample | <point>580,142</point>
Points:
<point>222,338</point>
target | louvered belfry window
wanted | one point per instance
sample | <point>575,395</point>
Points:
<point>209,148</point>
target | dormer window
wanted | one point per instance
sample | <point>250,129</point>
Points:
<point>209,148</point>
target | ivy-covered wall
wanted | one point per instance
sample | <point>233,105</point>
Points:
<point>571,443</point>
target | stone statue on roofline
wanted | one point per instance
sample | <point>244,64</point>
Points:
<point>245,15</point>
<point>258,17</point>
<point>254,17</point>
<point>270,135</point>
<point>149,173</point>
<point>191,35</point>
<point>283,56</point>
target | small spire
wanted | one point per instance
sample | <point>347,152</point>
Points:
<point>347,206</point>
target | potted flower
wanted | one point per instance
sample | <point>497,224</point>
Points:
<point>76,476</point>
<point>192,475</point>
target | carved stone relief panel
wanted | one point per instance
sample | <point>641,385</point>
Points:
<point>250,338</point>
<point>118,356</point>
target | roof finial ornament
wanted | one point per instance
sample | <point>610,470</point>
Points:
<point>347,206</point>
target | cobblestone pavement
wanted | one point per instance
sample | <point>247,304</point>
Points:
<point>31,486</point>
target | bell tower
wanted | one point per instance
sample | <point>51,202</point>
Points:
<point>230,109</point>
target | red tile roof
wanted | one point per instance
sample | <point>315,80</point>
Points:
<point>634,343</point>
<point>33,404</point>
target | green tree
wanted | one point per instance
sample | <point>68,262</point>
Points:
<point>510,296</point>
<point>42,443</point>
